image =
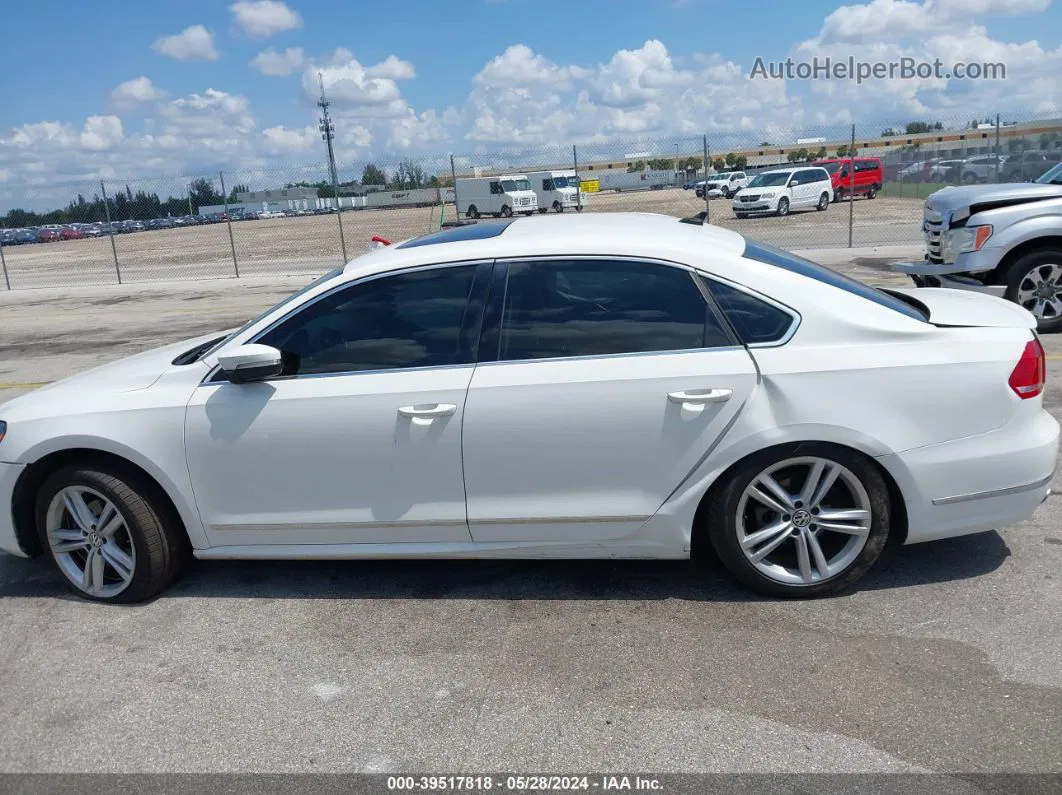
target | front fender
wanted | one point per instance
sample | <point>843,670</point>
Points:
<point>178,490</point>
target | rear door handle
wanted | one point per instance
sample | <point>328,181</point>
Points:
<point>428,410</point>
<point>700,396</point>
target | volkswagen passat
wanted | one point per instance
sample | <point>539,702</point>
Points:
<point>620,386</point>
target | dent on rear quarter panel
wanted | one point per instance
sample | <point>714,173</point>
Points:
<point>904,395</point>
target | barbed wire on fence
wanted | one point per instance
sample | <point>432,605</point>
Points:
<point>288,219</point>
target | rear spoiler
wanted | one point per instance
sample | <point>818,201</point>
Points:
<point>699,219</point>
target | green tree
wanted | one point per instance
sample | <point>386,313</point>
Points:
<point>636,166</point>
<point>719,164</point>
<point>662,164</point>
<point>408,176</point>
<point>740,162</point>
<point>237,188</point>
<point>842,150</point>
<point>798,155</point>
<point>373,175</point>
<point>202,193</point>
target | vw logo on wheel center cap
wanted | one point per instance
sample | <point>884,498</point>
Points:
<point>801,518</point>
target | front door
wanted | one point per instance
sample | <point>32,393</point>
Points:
<point>612,381</point>
<point>360,440</point>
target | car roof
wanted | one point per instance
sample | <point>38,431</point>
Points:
<point>647,235</point>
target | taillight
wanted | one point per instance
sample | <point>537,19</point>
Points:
<point>1030,373</point>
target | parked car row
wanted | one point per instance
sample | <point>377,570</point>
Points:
<point>1017,167</point>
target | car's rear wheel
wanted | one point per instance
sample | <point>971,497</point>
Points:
<point>108,534</point>
<point>872,193</point>
<point>783,206</point>
<point>1034,281</point>
<point>473,212</point>
<point>824,202</point>
<point>801,522</point>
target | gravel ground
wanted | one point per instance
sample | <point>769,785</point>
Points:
<point>948,658</point>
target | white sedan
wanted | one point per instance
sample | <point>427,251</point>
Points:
<point>603,386</point>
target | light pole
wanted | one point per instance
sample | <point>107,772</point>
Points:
<point>328,132</point>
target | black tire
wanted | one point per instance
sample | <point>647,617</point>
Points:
<point>872,193</point>
<point>506,211</point>
<point>824,202</point>
<point>473,211</point>
<point>1021,268</point>
<point>161,548</point>
<point>579,208</point>
<point>783,207</point>
<point>543,210</point>
<point>838,195</point>
<point>720,520</point>
<point>557,207</point>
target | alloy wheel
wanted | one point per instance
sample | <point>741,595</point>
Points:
<point>90,540</point>
<point>1040,291</point>
<point>803,520</point>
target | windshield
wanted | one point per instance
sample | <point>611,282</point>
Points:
<point>509,185</point>
<point>770,180</point>
<point>565,182</point>
<point>1051,177</point>
<point>285,302</point>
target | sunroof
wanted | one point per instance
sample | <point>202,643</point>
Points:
<point>458,233</point>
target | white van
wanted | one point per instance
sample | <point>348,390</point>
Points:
<point>498,196</point>
<point>556,190</point>
<point>783,190</point>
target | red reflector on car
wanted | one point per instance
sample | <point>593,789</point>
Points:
<point>1030,373</point>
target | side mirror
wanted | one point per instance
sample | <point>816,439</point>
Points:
<point>248,363</point>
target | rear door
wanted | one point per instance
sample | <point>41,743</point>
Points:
<point>601,384</point>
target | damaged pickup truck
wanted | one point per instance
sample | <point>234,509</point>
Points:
<point>1004,240</point>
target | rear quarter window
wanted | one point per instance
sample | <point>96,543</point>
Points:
<point>756,321</point>
<point>761,252</point>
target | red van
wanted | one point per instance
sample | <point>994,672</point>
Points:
<point>869,176</point>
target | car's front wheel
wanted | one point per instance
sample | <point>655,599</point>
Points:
<point>800,522</point>
<point>108,533</point>
<point>1034,281</point>
<point>783,206</point>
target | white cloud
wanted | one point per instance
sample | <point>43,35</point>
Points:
<point>948,30</point>
<point>371,90</point>
<point>261,19</point>
<point>101,133</point>
<point>287,139</point>
<point>393,68</point>
<point>272,63</point>
<point>194,43</point>
<point>893,18</point>
<point>135,92</point>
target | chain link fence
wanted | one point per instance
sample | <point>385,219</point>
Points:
<point>290,220</point>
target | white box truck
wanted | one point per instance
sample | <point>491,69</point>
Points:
<point>556,190</point>
<point>499,196</point>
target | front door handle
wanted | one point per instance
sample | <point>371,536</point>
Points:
<point>700,396</point>
<point>429,410</point>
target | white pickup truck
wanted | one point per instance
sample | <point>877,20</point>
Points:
<point>1004,240</point>
<point>725,184</point>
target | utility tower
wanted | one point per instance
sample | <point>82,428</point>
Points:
<point>328,132</point>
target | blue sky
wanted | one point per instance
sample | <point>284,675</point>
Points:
<point>107,94</point>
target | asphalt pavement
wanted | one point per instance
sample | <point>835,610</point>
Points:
<point>946,658</point>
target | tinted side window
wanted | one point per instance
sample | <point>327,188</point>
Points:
<point>595,308</point>
<point>407,320</point>
<point>754,320</point>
